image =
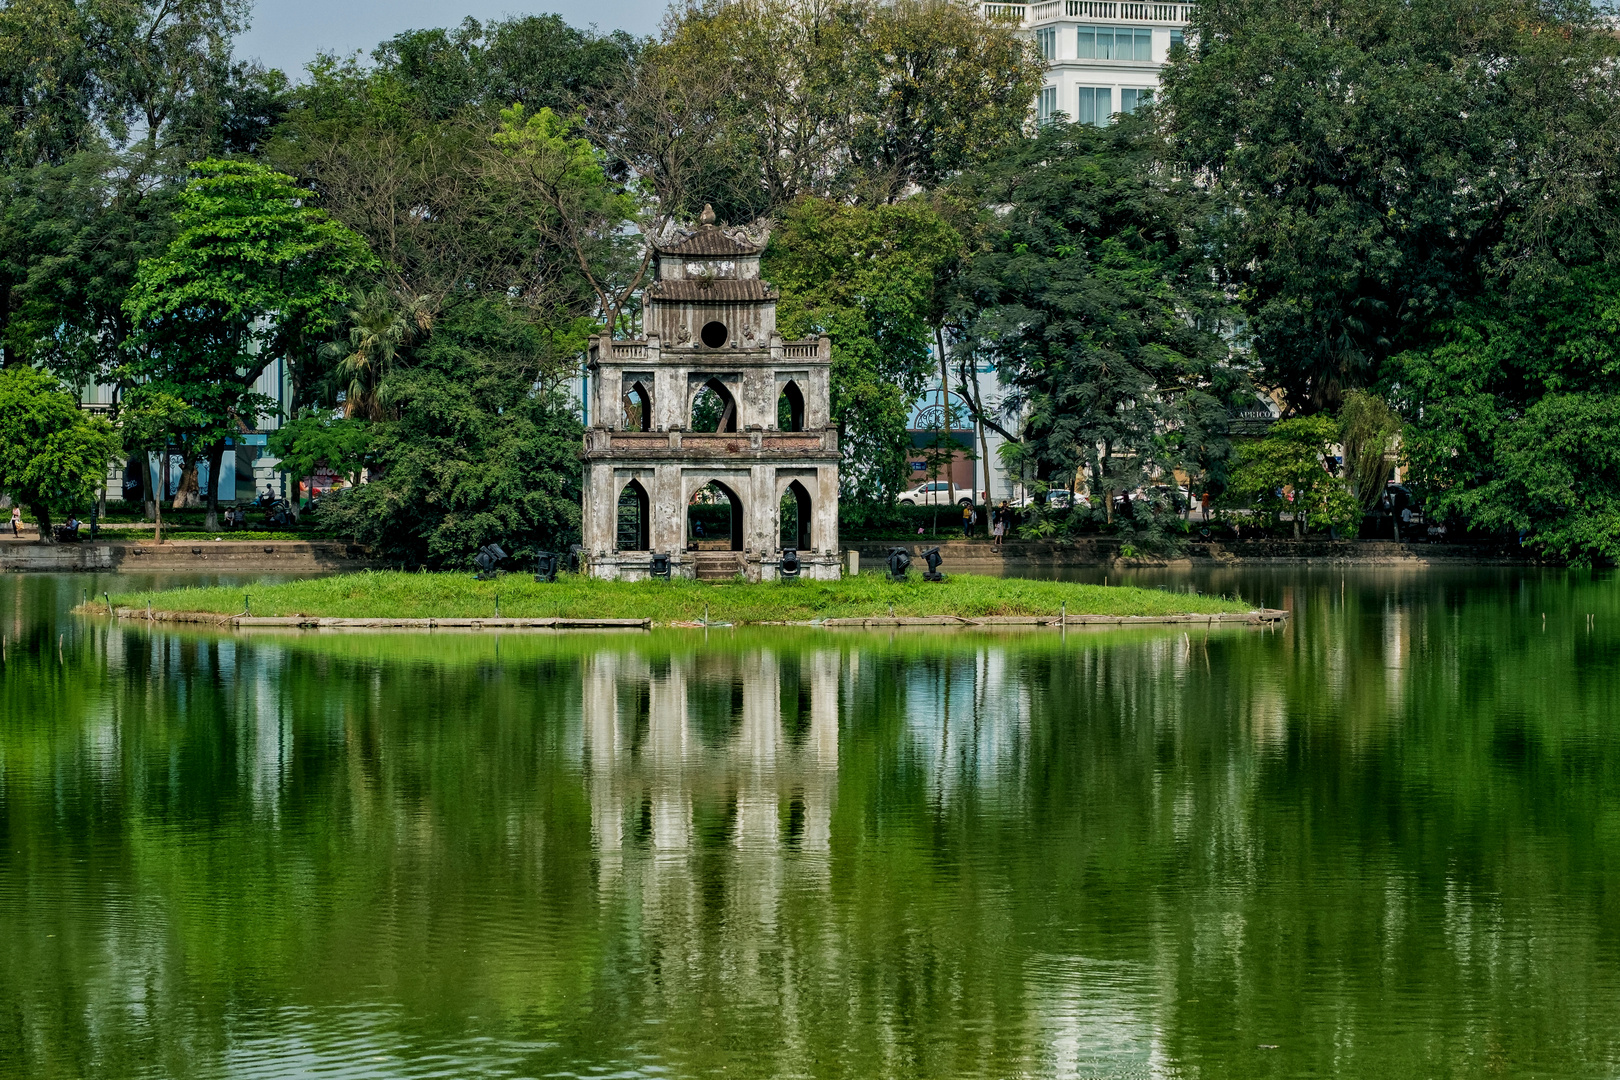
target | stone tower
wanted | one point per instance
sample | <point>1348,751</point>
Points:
<point>710,326</point>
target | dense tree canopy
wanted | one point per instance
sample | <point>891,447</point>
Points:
<point>1383,160</point>
<point>1352,205</point>
<point>750,106</point>
<point>1088,289</point>
<point>1513,415</point>
<point>869,279</point>
<point>53,456</point>
<point>253,276</point>
<point>477,451</point>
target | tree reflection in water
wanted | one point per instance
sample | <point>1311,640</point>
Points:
<point>1379,842</point>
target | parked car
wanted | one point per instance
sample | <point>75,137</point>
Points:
<point>1179,498</point>
<point>936,493</point>
<point>1056,499</point>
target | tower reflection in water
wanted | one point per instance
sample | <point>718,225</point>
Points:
<point>697,753</point>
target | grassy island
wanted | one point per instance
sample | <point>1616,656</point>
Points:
<point>395,595</point>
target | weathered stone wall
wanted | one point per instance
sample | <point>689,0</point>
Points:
<point>201,557</point>
<point>978,556</point>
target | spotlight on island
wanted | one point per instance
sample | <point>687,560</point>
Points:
<point>933,558</point>
<point>790,564</point>
<point>899,563</point>
<point>659,567</point>
<point>488,558</point>
<point>545,567</point>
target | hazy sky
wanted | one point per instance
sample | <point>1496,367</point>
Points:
<point>288,33</point>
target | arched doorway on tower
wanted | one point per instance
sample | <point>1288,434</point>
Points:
<point>634,519</point>
<point>714,409</point>
<point>790,408</point>
<point>637,408</point>
<point>795,517</point>
<point>714,519</point>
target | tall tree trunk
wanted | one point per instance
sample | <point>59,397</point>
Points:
<point>42,518</point>
<point>186,494</point>
<point>216,461</point>
<point>945,429</point>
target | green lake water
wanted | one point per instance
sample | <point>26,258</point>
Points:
<point>1381,842</point>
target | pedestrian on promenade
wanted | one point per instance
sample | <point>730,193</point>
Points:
<point>969,517</point>
<point>999,523</point>
<point>16,521</point>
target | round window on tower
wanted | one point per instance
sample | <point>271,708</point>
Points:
<point>714,334</point>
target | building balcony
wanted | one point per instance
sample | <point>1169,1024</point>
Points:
<point>1030,15</point>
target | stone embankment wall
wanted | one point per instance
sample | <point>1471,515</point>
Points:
<point>978,556</point>
<point>202,557</point>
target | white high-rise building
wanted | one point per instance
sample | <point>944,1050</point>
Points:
<point>1103,56</point>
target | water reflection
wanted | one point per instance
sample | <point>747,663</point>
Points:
<point>1383,841</point>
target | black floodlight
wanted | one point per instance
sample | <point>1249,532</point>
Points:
<point>488,558</point>
<point>790,564</point>
<point>899,563</point>
<point>574,553</point>
<point>659,568</point>
<point>545,567</point>
<point>933,558</point>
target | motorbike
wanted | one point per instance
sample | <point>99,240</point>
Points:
<point>279,515</point>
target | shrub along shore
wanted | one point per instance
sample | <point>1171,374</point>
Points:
<point>395,595</point>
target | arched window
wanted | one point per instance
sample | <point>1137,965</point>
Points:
<point>637,409</point>
<point>634,524</point>
<point>714,518</point>
<point>790,408</point>
<point>795,517</point>
<point>714,409</point>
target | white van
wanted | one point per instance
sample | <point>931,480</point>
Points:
<point>936,493</point>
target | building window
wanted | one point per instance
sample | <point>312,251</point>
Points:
<point>1046,41</point>
<point>1096,105</point>
<point>1132,98</point>
<point>1114,43</point>
<point>1178,40</point>
<point>1046,107</point>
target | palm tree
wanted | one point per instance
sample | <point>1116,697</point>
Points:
<point>380,327</point>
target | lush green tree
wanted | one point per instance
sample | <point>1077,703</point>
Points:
<point>868,277</point>
<point>456,344</point>
<point>1088,289</point>
<point>53,455</point>
<point>537,61</point>
<point>410,166</point>
<point>71,236</point>
<point>50,99</point>
<point>576,208</point>
<point>119,96</point>
<point>254,275</point>
<point>1370,430</point>
<point>151,421</point>
<point>1289,471</point>
<point>849,99</point>
<point>319,440</point>
<point>476,449</point>
<point>379,332</point>
<point>1512,416</point>
<point>1382,160</point>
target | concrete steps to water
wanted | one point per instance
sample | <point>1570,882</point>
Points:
<point>716,565</point>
